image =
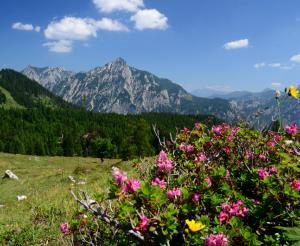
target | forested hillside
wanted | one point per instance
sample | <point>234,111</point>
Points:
<point>46,131</point>
<point>26,92</point>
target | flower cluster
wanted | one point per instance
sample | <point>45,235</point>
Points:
<point>216,175</point>
<point>143,225</point>
<point>174,193</point>
<point>163,163</point>
<point>232,209</point>
<point>216,240</point>
<point>266,172</point>
<point>295,185</point>
<point>291,129</point>
<point>157,182</point>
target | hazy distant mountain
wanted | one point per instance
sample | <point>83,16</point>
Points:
<point>117,87</point>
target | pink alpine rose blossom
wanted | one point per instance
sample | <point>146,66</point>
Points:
<point>216,240</point>
<point>262,157</point>
<point>143,225</point>
<point>119,176</point>
<point>200,157</point>
<point>190,148</point>
<point>132,186</point>
<point>65,228</point>
<point>158,182</point>
<point>295,185</point>
<point>174,193</point>
<point>195,197</point>
<point>163,163</point>
<point>291,129</point>
<point>208,181</point>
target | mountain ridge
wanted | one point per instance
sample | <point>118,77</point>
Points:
<point>120,88</point>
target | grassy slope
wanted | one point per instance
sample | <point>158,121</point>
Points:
<point>44,180</point>
<point>10,102</point>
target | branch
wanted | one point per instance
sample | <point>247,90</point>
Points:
<point>100,213</point>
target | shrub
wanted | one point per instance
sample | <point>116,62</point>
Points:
<point>220,186</point>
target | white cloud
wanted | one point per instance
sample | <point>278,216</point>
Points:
<point>60,46</point>
<point>25,27</point>
<point>70,29</point>
<point>109,6</point>
<point>295,58</point>
<point>149,19</point>
<point>237,44</point>
<point>275,65</point>
<point>259,65</point>
<point>272,65</point>
<point>111,25</point>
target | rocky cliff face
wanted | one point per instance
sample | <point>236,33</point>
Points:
<point>47,76</point>
<point>117,87</point>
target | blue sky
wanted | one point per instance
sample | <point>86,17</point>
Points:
<point>222,44</point>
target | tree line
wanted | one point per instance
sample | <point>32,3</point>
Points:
<point>69,132</point>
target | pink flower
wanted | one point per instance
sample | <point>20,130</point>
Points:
<point>216,240</point>
<point>291,129</point>
<point>163,163</point>
<point>190,148</point>
<point>263,173</point>
<point>249,155</point>
<point>272,170</point>
<point>119,176</point>
<point>227,150</point>
<point>200,157</point>
<point>195,197</point>
<point>223,217</point>
<point>182,147</point>
<point>266,172</point>
<point>208,181</point>
<point>143,225</point>
<point>132,186</point>
<point>217,129</point>
<point>227,174</point>
<point>295,185</point>
<point>158,182</point>
<point>262,157</point>
<point>65,228</point>
<point>232,209</point>
<point>197,126</point>
<point>174,193</point>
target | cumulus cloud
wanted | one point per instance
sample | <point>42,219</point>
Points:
<point>237,44</point>
<point>111,25</point>
<point>109,6</point>
<point>25,27</point>
<point>60,46</point>
<point>70,29</point>
<point>149,19</point>
<point>295,58</point>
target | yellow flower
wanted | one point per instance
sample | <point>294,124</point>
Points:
<point>293,92</point>
<point>194,226</point>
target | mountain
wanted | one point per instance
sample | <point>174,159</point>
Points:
<point>18,91</point>
<point>261,108</point>
<point>120,88</point>
<point>47,76</point>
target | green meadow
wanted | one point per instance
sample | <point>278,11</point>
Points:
<point>45,182</point>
